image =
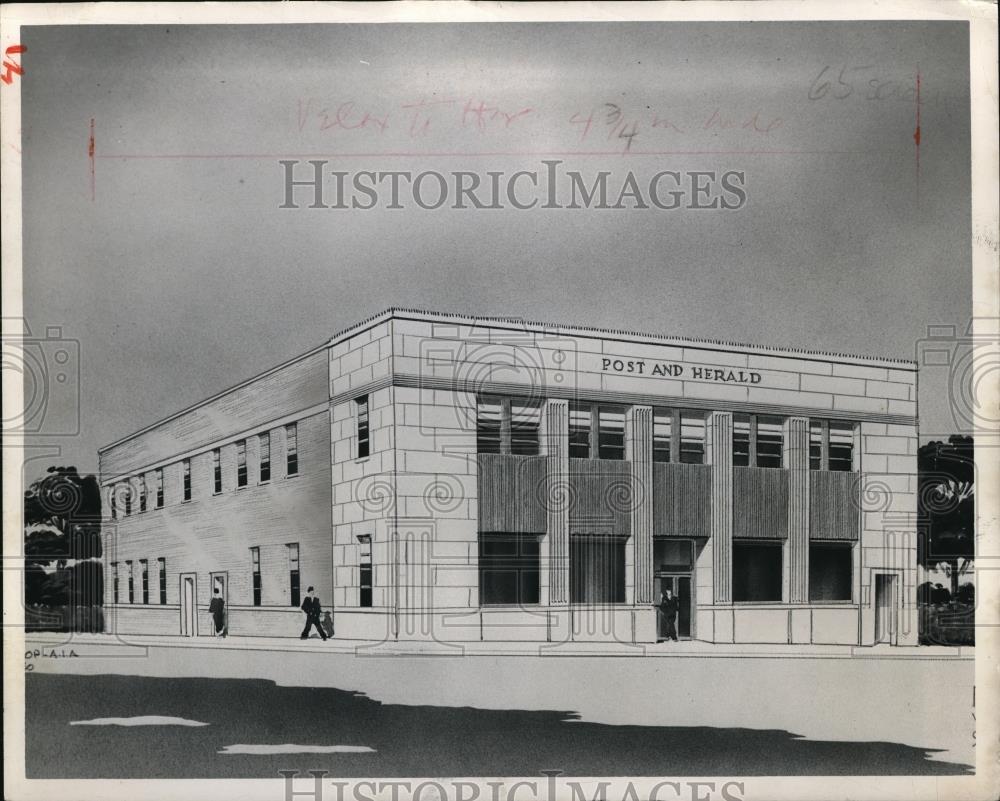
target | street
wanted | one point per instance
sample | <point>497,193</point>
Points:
<point>409,715</point>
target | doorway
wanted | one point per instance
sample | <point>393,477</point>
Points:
<point>220,582</point>
<point>680,585</point>
<point>886,616</point>
<point>189,605</point>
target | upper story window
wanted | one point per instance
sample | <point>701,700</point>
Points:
<point>112,500</point>
<point>663,435</point>
<point>186,472</point>
<point>142,493</point>
<point>831,445</point>
<point>596,431</point>
<point>507,425</point>
<point>841,446</point>
<point>757,441</point>
<point>128,498</point>
<point>611,433</point>
<point>363,431</point>
<point>217,470</point>
<point>580,425</point>
<point>241,463</point>
<point>158,486</point>
<point>525,416</point>
<point>265,457</point>
<point>291,450</point>
<point>692,443</point>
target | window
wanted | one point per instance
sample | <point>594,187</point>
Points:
<point>692,437</point>
<point>597,570</point>
<point>770,441</point>
<point>131,582</point>
<point>291,450</point>
<point>816,444</point>
<point>365,572</point>
<point>611,433</point>
<point>144,579</point>
<point>831,567</point>
<point>831,445</point>
<point>217,470</point>
<point>162,565</point>
<point>508,569</point>
<point>128,498</point>
<point>363,444</point>
<point>255,568</point>
<point>670,555</point>
<point>114,581</point>
<point>489,416</point>
<point>525,416</point>
<point>507,425</point>
<point>741,440</point>
<point>663,431</point>
<point>756,571</point>
<point>265,457</point>
<point>757,441</point>
<point>142,493</point>
<point>186,471</point>
<point>241,463</point>
<point>113,501</point>
<point>579,430</point>
<point>158,484</point>
<point>842,446</point>
<point>293,572</point>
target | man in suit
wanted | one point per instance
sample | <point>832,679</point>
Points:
<point>311,606</point>
<point>217,607</point>
<point>668,608</point>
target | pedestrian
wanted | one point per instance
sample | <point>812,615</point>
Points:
<point>311,606</point>
<point>217,608</point>
<point>668,608</point>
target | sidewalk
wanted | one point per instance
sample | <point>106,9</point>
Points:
<point>108,644</point>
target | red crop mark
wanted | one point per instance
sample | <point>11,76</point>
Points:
<point>916,133</point>
<point>12,68</point>
<point>90,156</point>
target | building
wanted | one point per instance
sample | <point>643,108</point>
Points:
<point>444,477</point>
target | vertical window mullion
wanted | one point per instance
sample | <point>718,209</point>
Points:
<point>752,461</point>
<point>675,436</point>
<point>505,425</point>
<point>824,446</point>
<point>595,431</point>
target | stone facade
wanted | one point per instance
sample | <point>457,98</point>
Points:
<point>389,485</point>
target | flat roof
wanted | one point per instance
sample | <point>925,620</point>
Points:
<point>593,332</point>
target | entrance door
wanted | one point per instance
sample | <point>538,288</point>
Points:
<point>220,582</point>
<point>680,585</point>
<point>189,605</point>
<point>885,608</point>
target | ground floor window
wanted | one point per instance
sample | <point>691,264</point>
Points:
<point>508,568</point>
<point>597,570</point>
<point>831,568</point>
<point>756,571</point>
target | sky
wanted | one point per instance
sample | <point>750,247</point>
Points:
<point>168,266</point>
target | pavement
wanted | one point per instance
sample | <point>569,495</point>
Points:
<point>684,648</point>
<point>753,710</point>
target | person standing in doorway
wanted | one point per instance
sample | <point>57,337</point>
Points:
<point>311,606</point>
<point>668,608</point>
<point>217,607</point>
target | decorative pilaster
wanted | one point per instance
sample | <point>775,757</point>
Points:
<point>795,458</point>
<point>719,433</point>
<point>639,452</point>
<point>554,441</point>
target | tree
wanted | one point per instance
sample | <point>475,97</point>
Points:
<point>62,548</point>
<point>946,506</point>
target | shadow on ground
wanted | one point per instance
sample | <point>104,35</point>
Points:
<point>409,740</point>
